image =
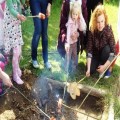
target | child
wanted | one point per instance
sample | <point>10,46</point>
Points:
<point>13,35</point>
<point>75,22</point>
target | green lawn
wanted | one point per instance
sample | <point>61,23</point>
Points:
<point>57,73</point>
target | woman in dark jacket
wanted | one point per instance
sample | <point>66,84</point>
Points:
<point>40,29</point>
<point>63,20</point>
<point>101,42</point>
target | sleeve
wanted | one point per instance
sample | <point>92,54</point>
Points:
<point>68,26</point>
<point>82,24</point>
<point>112,44</point>
<point>12,10</point>
<point>1,13</point>
<point>64,16</point>
<point>90,45</point>
<point>50,1</point>
<point>84,10</point>
<point>23,2</point>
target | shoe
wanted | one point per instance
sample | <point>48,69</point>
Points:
<point>17,79</point>
<point>35,64</point>
<point>107,74</point>
<point>47,65</point>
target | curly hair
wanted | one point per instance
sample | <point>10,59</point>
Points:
<point>99,10</point>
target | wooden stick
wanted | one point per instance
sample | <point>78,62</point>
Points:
<point>33,16</point>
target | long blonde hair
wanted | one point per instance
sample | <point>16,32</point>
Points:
<point>99,10</point>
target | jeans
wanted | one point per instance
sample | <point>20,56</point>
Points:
<point>100,59</point>
<point>40,28</point>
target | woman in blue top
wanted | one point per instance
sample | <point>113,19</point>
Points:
<point>40,29</point>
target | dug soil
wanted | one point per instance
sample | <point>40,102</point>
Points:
<point>19,104</point>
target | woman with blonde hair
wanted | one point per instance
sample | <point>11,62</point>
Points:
<point>101,42</point>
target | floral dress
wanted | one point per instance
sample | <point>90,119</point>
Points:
<point>12,30</point>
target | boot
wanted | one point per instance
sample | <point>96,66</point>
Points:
<point>15,65</point>
<point>19,72</point>
<point>17,79</point>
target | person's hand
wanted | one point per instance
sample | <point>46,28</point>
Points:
<point>60,103</point>
<point>21,17</point>
<point>67,47</point>
<point>63,37</point>
<point>52,118</point>
<point>101,68</point>
<point>75,35</point>
<point>88,73</point>
<point>48,11</point>
<point>5,79</point>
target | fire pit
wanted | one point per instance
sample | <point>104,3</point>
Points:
<point>47,93</point>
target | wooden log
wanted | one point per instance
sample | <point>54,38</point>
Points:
<point>105,113</point>
<point>83,88</point>
<point>95,91</point>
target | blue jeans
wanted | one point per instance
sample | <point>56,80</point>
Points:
<point>40,28</point>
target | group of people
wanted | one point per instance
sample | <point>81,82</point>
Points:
<point>79,29</point>
<point>98,39</point>
<point>11,36</point>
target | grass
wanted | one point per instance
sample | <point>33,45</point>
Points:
<point>57,73</point>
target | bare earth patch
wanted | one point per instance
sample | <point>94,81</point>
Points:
<point>14,106</point>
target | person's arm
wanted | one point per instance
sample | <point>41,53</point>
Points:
<point>111,42</point>
<point>84,10</point>
<point>14,12</point>
<point>9,3</point>
<point>88,66</point>
<point>64,17</point>
<point>5,78</point>
<point>67,44</point>
<point>82,24</point>
<point>48,11</point>
<point>89,53</point>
